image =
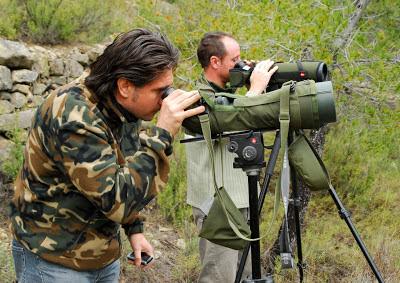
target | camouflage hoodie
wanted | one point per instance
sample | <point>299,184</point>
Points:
<point>87,169</point>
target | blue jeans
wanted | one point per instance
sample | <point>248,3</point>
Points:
<point>31,268</point>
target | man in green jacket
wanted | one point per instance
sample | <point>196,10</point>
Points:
<point>89,169</point>
<point>218,52</point>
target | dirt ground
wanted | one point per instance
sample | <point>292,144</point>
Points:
<point>165,239</point>
<point>168,247</point>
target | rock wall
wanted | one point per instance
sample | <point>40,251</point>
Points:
<point>27,74</point>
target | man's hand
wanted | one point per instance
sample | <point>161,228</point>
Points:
<point>173,111</point>
<point>139,244</point>
<point>260,76</point>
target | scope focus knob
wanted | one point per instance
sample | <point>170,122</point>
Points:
<point>249,153</point>
<point>233,146</point>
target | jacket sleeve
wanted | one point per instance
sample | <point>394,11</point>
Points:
<point>119,188</point>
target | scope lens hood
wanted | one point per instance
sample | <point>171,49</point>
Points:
<point>322,72</point>
<point>326,102</point>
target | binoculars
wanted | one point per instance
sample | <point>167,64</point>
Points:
<point>299,71</point>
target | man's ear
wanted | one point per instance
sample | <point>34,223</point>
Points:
<point>215,62</point>
<point>124,88</point>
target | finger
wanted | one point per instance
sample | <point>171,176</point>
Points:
<point>174,94</point>
<point>273,70</point>
<point>194,94</point>
<point>262,65</point>
<point>259,66</point>
<point>194,111</point>
<point>138,257</point>
<point>270,64</point>
<point>189,101</point>
<point>183,96</point>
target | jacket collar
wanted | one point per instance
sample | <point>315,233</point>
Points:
<point>215,87</point>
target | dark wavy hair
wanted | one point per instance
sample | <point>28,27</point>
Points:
<point>139,56</point>
<point>211,45</point>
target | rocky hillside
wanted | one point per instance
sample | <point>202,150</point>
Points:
<point>27,74</point>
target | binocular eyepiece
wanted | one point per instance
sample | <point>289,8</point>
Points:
<point>167,92</point>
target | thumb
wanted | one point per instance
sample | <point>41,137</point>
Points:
<point>138,257</point>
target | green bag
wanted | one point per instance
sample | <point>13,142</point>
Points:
<point>224,225</point>
<point>221,222</point>
<point>307,163</point>
<point>311,106</point>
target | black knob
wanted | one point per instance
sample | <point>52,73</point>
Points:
<point>249,153</point>
<point>233,146</point>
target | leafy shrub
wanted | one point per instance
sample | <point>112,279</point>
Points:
<point>13,13</point>
<point>172,200</point>
<point>58,21</point>
<point>54,21</point>
<point>12,166</point>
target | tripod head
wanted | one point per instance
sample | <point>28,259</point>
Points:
<point>249,147</point>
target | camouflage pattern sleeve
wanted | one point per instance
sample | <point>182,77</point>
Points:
<point>120,181</point>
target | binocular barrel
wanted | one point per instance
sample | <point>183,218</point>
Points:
<point>299,71</point>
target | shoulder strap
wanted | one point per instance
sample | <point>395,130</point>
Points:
<point>205,126</point>
<point>284,121</point>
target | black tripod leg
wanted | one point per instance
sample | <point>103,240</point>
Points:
<point>296,206</point>
<point>254,226</point>
<point>344,214</point>
<point>296,210</point>
<point>268,174</point>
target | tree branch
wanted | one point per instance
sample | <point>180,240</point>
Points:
<point>341,41</point>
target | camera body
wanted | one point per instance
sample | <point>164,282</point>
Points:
<point>299,71</point>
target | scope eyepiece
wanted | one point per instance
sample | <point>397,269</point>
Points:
<point>167,92</point>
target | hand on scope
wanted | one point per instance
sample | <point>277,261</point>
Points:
<point>173,111</point>
<point>261,75</point>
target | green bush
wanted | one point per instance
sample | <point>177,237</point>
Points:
<point>12,166</point>
<point>55,21</point>
<point>59,21</point>
<point>13,13</point>
<point>172,200</point>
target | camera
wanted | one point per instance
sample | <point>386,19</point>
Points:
<point>317,71</point>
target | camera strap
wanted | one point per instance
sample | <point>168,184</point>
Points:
<point>283,185</point>
<point>284,121</point>
<point>284,240</point>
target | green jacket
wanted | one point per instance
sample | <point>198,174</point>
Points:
<point>87,169</point>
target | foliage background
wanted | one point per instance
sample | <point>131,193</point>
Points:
<point>361,150</point>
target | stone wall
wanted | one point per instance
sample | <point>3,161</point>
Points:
<point>27,74</point>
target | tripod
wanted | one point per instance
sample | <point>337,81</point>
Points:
<point>249,147</point>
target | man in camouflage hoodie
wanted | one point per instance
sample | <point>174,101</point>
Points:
<point>89,169</point>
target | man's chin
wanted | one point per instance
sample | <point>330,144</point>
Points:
<point>147,117</point>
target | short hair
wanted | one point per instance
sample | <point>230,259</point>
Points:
<point>211,45</point>
<point>139,56</point>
